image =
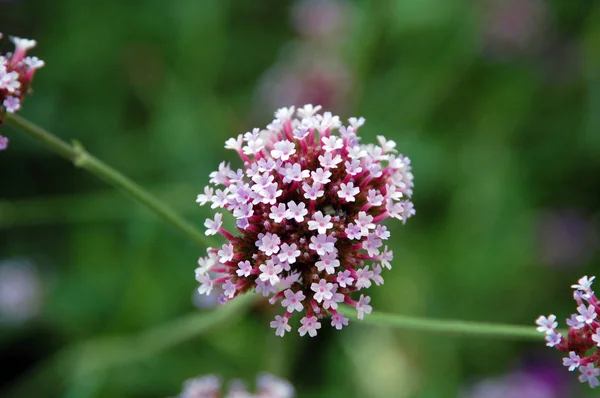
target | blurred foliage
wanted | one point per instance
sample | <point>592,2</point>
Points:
<point>498,108</point>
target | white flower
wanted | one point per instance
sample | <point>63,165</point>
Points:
<point>363,307</point>
<point>280,324</point>
<point>322,290</point>
<point>288,253</point>
<point>332,143</point>
<point>553,339</point>
<point>283,150</point>
<point>588,314</point>
<point>293,172</point>
<point>229,289</point>
<point>328,263</point>
<point>320,222</point>
<point>33,62</point>
<point>321,176</point>
<point>363,278</point>
<point>574,322</point>
<point>572,362</point>
<point>270,272</point>
<point>310,325</point>
<point>353,231</point>
<point>365,222</point>
<point>284,114</point>
<point>278,213</point>
<point>584,284</point>
<point>293,301</point>
<point>206,284</point>
<point>344,278</point>
<point>348,191</point>
<point>322,244</point>
<point>245,268</point>
<point>589,374</point>
<point>226,253</point>
<point>312,192</point>
<point>23,44</point>
<point>386,146</point>
<point>328,161</point>
<point>12,104</point>
<point>296,211</point>
<point>10,82</point>
<point>353,167</point>
<point>268,243</point>
<point>338,321</point>
<point>356,123</point>
<point>546,325</point>
<point>308,110</point>
<point>374,197</point>
<point>213,226</point>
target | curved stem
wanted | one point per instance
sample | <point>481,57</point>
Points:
<point>81,158</point>
<point>490,330</point>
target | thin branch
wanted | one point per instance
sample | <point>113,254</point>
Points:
<point>466,328</point>
<point>77,154</point>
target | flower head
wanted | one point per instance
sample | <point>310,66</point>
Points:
<point>16,73</point>
<point>582,343</point>
<point>309,204</point>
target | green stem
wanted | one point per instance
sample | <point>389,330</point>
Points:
<point>490,330</point>
<point>81,158</point>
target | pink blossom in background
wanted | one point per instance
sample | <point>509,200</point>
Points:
<point>512,27</point>
<point>20,291</point>
<point>325,20</point>
<point>565,238</point>
<point>305,77</point>
<point>308,204</point>
<point>513,385</point>
<point>210,386</point>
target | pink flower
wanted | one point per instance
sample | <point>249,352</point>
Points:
<point>16,73</point>
<point>309,325</point>
<point>309,201</point>
<point>582,342</point>
<point>3,143</point>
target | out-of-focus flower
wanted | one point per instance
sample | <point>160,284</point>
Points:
<point>513,26</point>
<point>308,205</point>
<point>513,385</point>
<point>20,291</point>
<point>303,76</point>
<point>267,386</point>
<point>321,19</point>
<point>16,73</point>
<point>565,239</point>
<point>583,339</point>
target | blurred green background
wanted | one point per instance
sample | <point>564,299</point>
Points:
<point>497,103</point>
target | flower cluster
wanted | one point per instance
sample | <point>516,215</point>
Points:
<point>16,73</point>
<point>308,206</point>
<point>583,339</point>
<point>267,386</point>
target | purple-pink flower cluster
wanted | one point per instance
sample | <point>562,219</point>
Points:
<point>16,73</point>
<point>308,206</point>
<point>209,386</point>
<point>583,339</point>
